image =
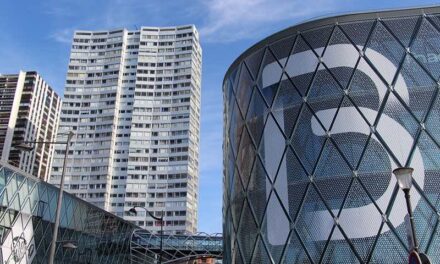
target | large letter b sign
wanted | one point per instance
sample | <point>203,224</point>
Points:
<point>348,120</point>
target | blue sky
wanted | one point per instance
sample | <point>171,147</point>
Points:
<point>36,35</point>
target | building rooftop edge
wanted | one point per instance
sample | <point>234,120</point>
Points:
<point>328,20</point>
<point>31,72</point>
<point>139,28</point>
<point>18,73</point>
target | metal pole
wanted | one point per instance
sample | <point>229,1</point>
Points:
<point>53,245</point>
<point>161,239</point>
<point>411,219</point>
<point>161,228</point>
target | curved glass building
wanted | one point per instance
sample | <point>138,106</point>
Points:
<point>316,118</point>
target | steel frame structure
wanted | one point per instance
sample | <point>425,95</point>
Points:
<point>27,214</point>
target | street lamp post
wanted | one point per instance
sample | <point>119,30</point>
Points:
<point>133,211</point>
<point>25,147</point>
<point>404,179</point>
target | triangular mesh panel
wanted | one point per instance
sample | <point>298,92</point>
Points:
<point>340,104</point>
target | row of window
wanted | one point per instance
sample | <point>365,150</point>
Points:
<point>160,150</point>
<point>162,117</point>
<point>92,82</point>
<point>159,159</point>
<point>97,40</point>
<point>138,109</point>
<point>91,196</point>
<point>162,204</point>
<point>172,176</point>
<point>92,75</point>
<point>158,168</point>
<point>91,96</point>
<point>163,86</point>
<point>83,169</point>
<point>97,61</point>
<point>93,47</point>
<point>164,78</point>
<point>164,64</point>
<point>152,133</point>
<point>86,186</point>
<point>90,89</point>
<point>166,223</point>
<point>159,58</point>
<point>160,195</point>
<point>173,36</point>
<point>150,71</point>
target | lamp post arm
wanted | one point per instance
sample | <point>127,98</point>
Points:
<point>155,217</point>
<point>161,229</point>
<point>152,215</point>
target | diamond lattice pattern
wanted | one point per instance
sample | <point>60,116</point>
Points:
<point>318,122</point>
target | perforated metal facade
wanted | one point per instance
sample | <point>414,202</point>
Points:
<point>316,118</point>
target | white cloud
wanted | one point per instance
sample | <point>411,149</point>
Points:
<point>219,20</point>
<point>231,20</point>
<point>63,35</point>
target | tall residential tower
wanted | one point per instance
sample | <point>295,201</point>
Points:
<point>29,111</point>
<point>132,98</point>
